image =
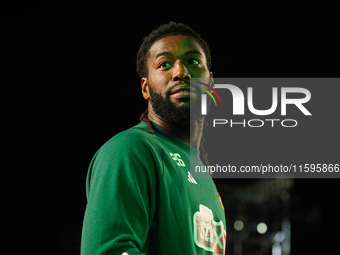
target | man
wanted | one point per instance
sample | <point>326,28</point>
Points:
<point>141,196</point>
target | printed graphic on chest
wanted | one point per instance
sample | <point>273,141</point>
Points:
<point>177,158</point>
<point>209,234</point>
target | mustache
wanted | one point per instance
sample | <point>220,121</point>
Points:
<point>182,83</point>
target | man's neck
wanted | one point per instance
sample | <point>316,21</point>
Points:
<point>190,132</point>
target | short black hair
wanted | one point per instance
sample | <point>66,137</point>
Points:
<point>166,30</point>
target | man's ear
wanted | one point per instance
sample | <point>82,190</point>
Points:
<point>145,88</point>
<point>211,83</point>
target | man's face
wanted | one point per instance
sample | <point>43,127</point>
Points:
<point>172,62</point>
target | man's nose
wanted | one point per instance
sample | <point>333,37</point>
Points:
<point>180,71</point>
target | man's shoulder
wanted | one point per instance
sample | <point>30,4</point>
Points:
<point>138,132</point>
<point>136,137</point>
<point>138,140</point>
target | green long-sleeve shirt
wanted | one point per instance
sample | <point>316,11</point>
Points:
<point>142,199</point>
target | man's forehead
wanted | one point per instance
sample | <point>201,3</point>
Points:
<point>176,44</point>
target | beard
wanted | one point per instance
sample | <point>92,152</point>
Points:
<point>172,113</point>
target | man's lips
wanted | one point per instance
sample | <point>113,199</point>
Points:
<point>182,90</point>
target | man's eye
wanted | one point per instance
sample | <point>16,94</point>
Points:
<point>165,65</point>
<point>194,61</point>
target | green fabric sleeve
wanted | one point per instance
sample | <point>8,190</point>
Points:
<point>121,198</point>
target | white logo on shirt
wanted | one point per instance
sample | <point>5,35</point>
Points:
<point>191,179</point>
<point>176,158</point>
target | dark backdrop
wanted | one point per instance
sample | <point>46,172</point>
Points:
<point>72,85</point>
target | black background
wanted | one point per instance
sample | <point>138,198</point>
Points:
<point>70,84</point>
